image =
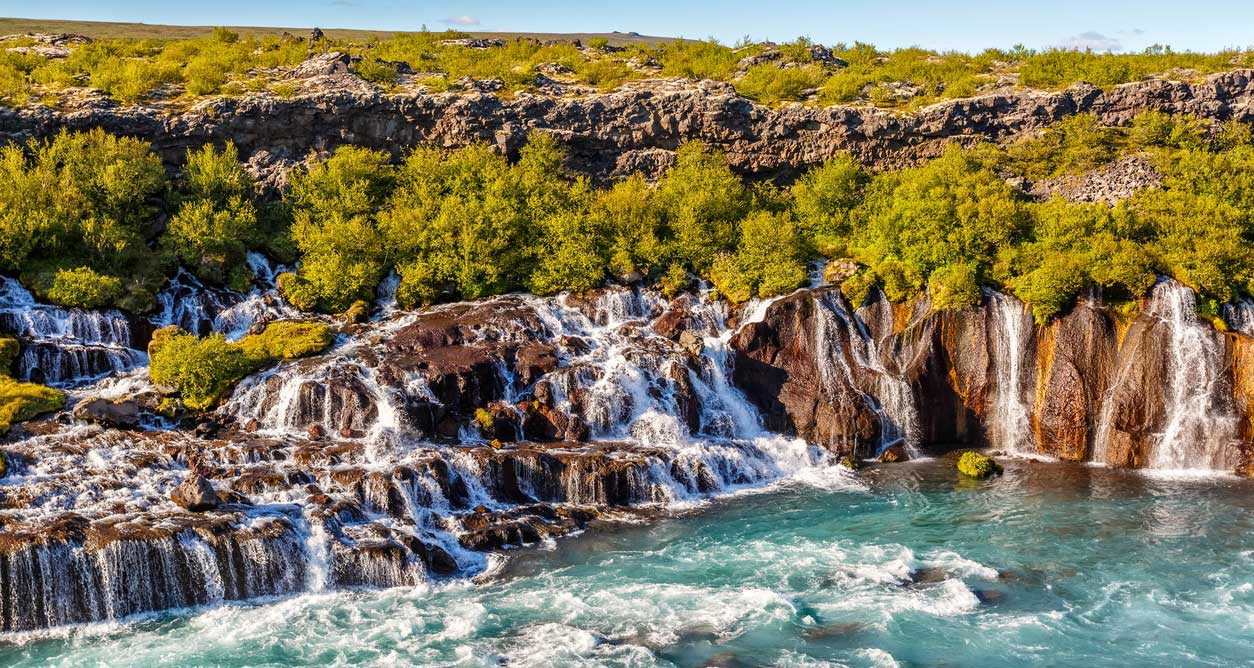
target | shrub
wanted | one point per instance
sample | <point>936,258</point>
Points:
<point>22,401</point>
<point>9,351</point>
<point>82,288</point>
<point>770,84</point>
<point>201,371</point>
<point>954,286</point>
<point>702,202</point>
<point>729,278</point>
<point>823,201</point>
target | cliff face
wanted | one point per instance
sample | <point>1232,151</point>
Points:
<point>1166,392</point>
<point>636,127</point>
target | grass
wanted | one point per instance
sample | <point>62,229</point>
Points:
<point>140,63</point>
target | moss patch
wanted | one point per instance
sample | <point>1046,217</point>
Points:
<point>22,401</point>
<point>201,371</point>
<point>976,465</point>
<point>9,350</point>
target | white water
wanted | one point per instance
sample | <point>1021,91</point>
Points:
<point>1201,428</point>
<point>1009,333</point>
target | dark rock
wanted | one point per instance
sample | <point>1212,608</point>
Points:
<point>893,454</point>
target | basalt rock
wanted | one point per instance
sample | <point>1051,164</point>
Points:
<point>195,494</point>
<point>114,413</point>
<point>637,126</point>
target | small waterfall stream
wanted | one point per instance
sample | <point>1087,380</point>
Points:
<point>1201,427</point>
<point>1009,333</point>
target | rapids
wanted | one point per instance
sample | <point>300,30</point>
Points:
<point>425,443</point>
<point>1053,564</point>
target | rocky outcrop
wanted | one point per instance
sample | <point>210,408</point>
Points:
<point>633,127</point>
<point>1167,391</point>
<point>1117,181</point>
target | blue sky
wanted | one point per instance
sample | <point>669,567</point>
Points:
<point>1120,25</point>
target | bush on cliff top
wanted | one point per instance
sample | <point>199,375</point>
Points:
<point>201,371</point>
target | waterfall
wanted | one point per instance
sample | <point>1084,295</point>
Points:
<point>188,303</point>
<point>65,347</point>
<point>1201,428</point>
<point>838,334</point>
<point>1009,334</point>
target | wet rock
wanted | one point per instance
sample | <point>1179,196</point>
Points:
<point>692,344</point>
<point>894,454</point>
<point>122,413</point>
<point>533,361</point>
<point>852,463</point>
<point>316,431</point>
<point>196,494</point>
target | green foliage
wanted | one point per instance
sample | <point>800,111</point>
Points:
<point>767,262</point>
<point>823,202</point>
<point>702,202</point>
<point>22,401</point>
<point>287,340</point>
<point>79,200</point>
<point>1075,144</point>
<point>82,287</point>
<point>216,220</point>
<point>954,287</point>
<point>334,227</point>
<point>203,370</point>
<point>1056,68</point>
<point>770,84</point>
<point>976,465</point>
<point>9,351</point>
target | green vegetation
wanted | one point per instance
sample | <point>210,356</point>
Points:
<point>975,465</point>
<point>180,65</point>
<point>22,401</point>
<point>77,215</point>
<point>9,351</point>
<point>201,371</point>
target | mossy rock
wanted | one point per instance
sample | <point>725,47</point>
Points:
<point>287,340</point>
<point>358,313</point>
<point>202,371</point>
<point>975,465</point>
<point>4,464</point>
<point>22,401</point>
<point>852,463</point>
<point>9,350</point>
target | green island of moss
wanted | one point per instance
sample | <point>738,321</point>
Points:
<point>202,370</point>
<point>975,465</point>
<point>9,350</point>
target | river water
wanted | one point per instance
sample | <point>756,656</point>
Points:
<point>906,565</point>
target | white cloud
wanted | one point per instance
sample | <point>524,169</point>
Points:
<point>1092,40</point>
<point>461,21</point>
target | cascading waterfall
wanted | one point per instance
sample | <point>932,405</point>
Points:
<point>65,347</point>
<point>1201,428</point>
<point>1009,333</point>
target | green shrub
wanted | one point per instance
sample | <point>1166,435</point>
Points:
<point>954,286</point>
<point>82,288</point>
<point>770,84</point>
<point>730,279</point>
<point>976,465</point>
<point>9,352</point>
<point>201,371</point>
<point>22,401</point>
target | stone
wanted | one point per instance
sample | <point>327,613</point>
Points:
<point>122,413</point>
<point>894,454</point>
<point>358,313</point>
<point>691,343</point>
<point>852,463</point>
<point>322,64</point>
<point>316,431</point>
<point>196,494</point>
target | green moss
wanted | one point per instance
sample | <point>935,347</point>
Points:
<point>81,287</point>
<point>286,341</point>
<point>852,463</point>
<point>9,350</point>
<point>22,401</point>
<point>976,465</point>
<point>201,371</point>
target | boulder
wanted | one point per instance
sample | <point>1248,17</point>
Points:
<point>123,413</point>
<point>196,494</point>
<point>322,64</point>
<point>894,454</point>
